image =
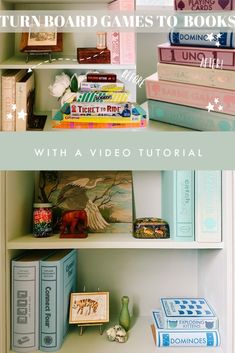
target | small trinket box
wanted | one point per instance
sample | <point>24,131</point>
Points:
<point>93,56</point>
<point>151,228</point>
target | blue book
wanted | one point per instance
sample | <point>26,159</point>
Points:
<point>182,338</point>
<point>57,281</point>
<point>178,203</point>
<point>199,37</point>
<point>208,205</point>
<point>192,118</point>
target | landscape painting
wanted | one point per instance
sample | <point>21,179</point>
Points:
<point>104,197</point>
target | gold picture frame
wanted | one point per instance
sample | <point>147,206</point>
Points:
<point>89,308</point>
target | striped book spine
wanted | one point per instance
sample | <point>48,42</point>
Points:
<point>208,203</point>
<point>192,118</point>
<point>100,97</point>
<point>190,95</point>
<point>197,76</point>
<point>178,203</point>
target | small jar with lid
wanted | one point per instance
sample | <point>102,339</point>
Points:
<point>42,219</point>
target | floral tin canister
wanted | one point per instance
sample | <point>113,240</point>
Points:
<point>151,228</point>
<point>42,219</point>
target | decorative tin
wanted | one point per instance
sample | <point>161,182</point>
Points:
<point>42,219</point>
<point>151,228</point>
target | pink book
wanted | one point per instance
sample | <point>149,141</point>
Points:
<point>125,49</point>
<point>190,95</point>
<point>193,56</point>
<point>204,5</point>
<point>198,76</point>
<point>122,5</point>
<point>113,44</point>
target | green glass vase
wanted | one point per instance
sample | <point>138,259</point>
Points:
<point>124,318</point>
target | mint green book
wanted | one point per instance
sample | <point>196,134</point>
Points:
<point>57,282</point>
<point>208,205</point>
<point>178,203</point>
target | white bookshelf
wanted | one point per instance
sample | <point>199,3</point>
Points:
<point>144,270</point>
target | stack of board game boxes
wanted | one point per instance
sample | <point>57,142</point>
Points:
<point>102,102</point>
<point>194,85</point>
<point>185,322</point>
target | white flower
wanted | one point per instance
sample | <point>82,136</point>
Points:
<point>80,79</point>
<point>68,97</point>
<point>62,82</point>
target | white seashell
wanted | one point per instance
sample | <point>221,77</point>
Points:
<point>117,333</point>
<point>111,334</point>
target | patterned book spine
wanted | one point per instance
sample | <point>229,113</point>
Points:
<point>8,99</point>
<point>25,306</point>
<point>192,118</point>
<point>113,44</point>
<point>208,201</point>
<point>178,204</point>
<point>23,89</point>
<point>199,37</point>
<point>103,97</point>
<point>123,44</point>
<point>203,5</point>
<point>190,95</point>
<point>197,76</point>
<point>195,56</point>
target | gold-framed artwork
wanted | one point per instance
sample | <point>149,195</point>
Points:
<point>89,308</point>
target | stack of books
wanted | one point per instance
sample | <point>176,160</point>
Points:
<point>185,322</point>
<point>102,102</point>
<point>194,85</point>
<point>192,205</point>
<point>42,282</point>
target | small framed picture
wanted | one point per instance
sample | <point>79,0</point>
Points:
<point>36,40</point>
<point>89,308</point>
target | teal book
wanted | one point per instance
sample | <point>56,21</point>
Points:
<point>57,282</point>
<point>208,205</point>
<point>178,203</point>
<point>192,118</point>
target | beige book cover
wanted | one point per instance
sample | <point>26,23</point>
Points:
<point>24,88</point>
<point>9,79</point>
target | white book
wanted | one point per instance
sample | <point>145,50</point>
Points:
<point>24,89</point>
<point>25,301</point>
<point>208,206</point>
<point>8,111</point>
